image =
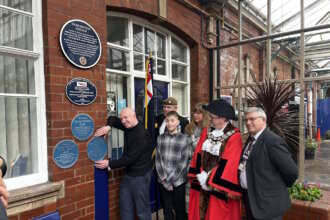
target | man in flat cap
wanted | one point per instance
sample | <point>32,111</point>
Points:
<point>169,104</point>
<point>213,174</point>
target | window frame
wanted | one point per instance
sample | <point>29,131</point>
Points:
<point>38,58</point>
<point>132,73</point>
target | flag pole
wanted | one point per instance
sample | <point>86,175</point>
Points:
<point>146,95</point>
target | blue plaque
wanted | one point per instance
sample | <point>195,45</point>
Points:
<point>97,148</point>
<point>81,91</point>
<point>82,127</point>
<point>65,154</point>
<point>80,43</point>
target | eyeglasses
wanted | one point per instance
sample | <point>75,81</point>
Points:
<point>252,119</point>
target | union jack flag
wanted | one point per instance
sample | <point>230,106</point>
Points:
<point>148,106</point>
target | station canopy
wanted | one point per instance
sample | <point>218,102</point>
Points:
<point>285,16</point>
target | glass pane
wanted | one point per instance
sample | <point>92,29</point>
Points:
<point>117,31</point>
<point>116,100</point>
<point>179,72</point>
<point>16,75</point>
<point>161,46</point>
<point>15,30</point>
<point>179,91</point>
<point>137,38</point>
<point>161,67</point>
<point>153,63</point>
<point>138,62</point>
<point>179,51</point>
<point>24,5</point>
<point>18,135</point>
<point>118,59</point>
<point>149,42</point>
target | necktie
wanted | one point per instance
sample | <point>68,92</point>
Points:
<point>249,145</point>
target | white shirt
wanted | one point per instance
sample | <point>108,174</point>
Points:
<point>242,177</point>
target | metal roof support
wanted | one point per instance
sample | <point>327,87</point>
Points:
<point>239,107</point>
<point>296,15</point>
<point>269,41</point>
<point>272,36</point>
<point>301,157</point>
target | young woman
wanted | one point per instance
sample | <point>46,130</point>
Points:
<point>199,120</point>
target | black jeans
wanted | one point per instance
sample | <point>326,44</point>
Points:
<point>134,195</point>
<point>173,200</point>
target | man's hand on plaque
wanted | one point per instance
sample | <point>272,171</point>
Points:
<point>102,131</point>
<point>102,164</point>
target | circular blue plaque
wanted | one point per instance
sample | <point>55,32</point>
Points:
<point>80,43</point>
<point>81,91</point>
<point>82,127</point>
<point>97,148</point>
<point>65,153</point>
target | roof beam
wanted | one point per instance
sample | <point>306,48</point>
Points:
<point>297,15</point>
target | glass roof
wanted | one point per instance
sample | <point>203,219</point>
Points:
<point>286,17</point>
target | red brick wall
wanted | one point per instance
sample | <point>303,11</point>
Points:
<point>79,186</point>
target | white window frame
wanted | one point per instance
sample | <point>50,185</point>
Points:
<point>132,74</point>
<point>37,56</point>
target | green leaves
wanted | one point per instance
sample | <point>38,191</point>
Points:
<point>305,192</point>
<point>273,97</point>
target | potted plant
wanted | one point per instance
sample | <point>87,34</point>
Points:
<point>327,135</point>
<point>305,192</point>
<point>310,148</point>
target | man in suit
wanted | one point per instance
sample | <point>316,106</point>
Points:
<point>3,191</point>
<point>169,104</point>
<point>266,169</point>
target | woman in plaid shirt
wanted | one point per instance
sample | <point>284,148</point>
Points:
<point>171,164</point>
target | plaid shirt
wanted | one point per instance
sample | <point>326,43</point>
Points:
<point>172,158</point>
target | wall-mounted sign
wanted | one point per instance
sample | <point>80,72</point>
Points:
<point>80,43</point>
<point>81,91</point>
<point>97,148</point>
<point>82,127</point>
<point>65,153</point>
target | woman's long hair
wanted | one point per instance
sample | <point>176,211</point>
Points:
<point>205,122</point>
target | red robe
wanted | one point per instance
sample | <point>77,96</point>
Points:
<point>223,179</point>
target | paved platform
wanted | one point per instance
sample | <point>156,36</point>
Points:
<point>318,170</point>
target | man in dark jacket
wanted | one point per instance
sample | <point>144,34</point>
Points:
<point>266,170</point>
<point>134,187</point>
<point>169,104</point>
<point>3,191</point>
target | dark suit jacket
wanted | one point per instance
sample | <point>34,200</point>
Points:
<point>270,170</point>
<point>160,118</point>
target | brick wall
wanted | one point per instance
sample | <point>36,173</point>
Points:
<point>79,186</point>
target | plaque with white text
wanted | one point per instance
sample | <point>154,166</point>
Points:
<point>97,148</point>
<point>65,154</point>
<point>80,43</point>
<point>81,91</point>
<point>82,127</point>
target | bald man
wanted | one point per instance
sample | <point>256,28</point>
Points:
<point>134,187</point>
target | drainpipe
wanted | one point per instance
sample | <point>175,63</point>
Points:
<point>218,61</point>
<point>211,75</point>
